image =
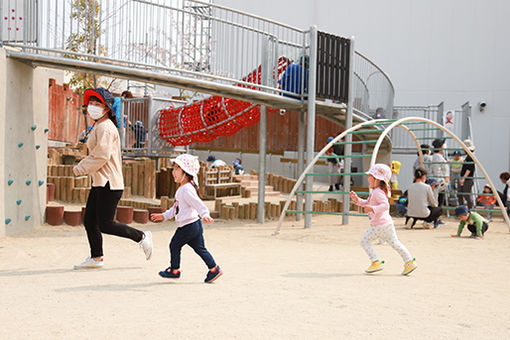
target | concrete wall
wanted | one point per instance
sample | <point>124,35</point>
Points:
<point>453,51</point>
<point>23,121</point>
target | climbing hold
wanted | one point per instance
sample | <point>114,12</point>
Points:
<point>37,147</point>
<point>28,182</point>
<point>18,202</point>
<point>41,182</point>
<point>20,145</point>
<point>10,181</point>
<point>33,127</point>
<point>7,220</point>
<point>46,130</point>
<point>27,217</point>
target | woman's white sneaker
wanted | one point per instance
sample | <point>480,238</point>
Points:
<point>90,263</point>
<point>146,244</point>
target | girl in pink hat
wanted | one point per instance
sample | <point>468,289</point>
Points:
<point>188,211</point>
<point>381,224</point>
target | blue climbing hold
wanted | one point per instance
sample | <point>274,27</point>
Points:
<point>20,145</point>
<point>27,217</point>
<point>41,182</point>
<point>18,202</point>
<point>7,220</point>
<point>10,181</point>
<point>28,182</point>
<point>33,127</point>
<point>37,147</point>
<point>46,130</point>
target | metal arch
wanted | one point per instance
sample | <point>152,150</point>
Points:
<point>312,163</point>
<point>466,150</point>
<point>413,136</point>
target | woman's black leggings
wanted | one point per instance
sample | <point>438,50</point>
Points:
<point>99,214</point>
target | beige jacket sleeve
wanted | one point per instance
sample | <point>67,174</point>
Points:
<point>98,156</point>
<point>431,198</point>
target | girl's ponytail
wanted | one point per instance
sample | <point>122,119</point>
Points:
<point>190,178</point>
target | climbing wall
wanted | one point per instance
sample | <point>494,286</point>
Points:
<point>24,137</point>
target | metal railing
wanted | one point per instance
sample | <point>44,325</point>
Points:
<point>139,131</point>
<point>372,88</point>
<point>191,38</point>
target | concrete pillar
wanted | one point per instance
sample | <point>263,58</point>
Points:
<point>3,83</point>
<point>23,120</point>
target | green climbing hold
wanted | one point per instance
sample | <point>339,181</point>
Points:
<point>33,127</point>
<point>41,182</point>
<point>18,202</point>
<point>7,220</point>
<point>20,145</point>
<point>10,181</point>
<point>28,182</point>
<point>37,147</point>
<point>27,217</point>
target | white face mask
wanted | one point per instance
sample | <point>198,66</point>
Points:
<point>95,112</point>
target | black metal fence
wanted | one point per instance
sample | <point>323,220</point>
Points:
<point>332,67</point>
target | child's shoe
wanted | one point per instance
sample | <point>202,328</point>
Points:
<point>409,266</point>
<point>146,244</point>
<point>90,263</point>
<point>330,188</point>
<point>337,186</point>
<point>375,267</point>
<point>169,273</point>
<point>213,274</point>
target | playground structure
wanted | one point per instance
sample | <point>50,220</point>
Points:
<point>191,45</point>
<point>383,126</point>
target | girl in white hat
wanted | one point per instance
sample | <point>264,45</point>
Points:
<point>381,224</point>
<point>188,211</point>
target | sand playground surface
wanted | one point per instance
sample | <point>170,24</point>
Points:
<point>302,284</point>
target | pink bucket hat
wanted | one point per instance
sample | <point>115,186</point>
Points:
<point>381,172</point>
<point>189,164</point>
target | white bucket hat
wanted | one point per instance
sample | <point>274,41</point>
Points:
<point>381,172</point>
<point>189,164</point>
<point>469,145</point>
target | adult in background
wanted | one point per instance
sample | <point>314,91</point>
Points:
<point>505,196</point>
<point>104,164</point>
<point>466,181</point>
<point>439,169</point>
<point>335,166</point>
<point>421,203</point>
<point>425,149</point>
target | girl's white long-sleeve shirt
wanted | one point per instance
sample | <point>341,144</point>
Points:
<point>190,206</point>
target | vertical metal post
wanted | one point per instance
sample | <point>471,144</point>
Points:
<point>439,118</point>
<point>310,129</point>
<point>149,127</point>
<point>348,138</point>
<point>263,135</point>
<point>301,158</point>
<point>122,126</point>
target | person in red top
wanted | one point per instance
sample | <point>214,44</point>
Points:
<point>487,201</point>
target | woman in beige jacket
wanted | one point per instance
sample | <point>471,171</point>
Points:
<point>104,164</point>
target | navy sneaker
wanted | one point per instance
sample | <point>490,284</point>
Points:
<point>213,274</point>
<point>169,273</point>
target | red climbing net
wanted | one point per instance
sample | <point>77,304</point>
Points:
<point>212,117</point>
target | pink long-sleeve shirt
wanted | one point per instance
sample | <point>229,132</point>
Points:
<point>378,200</point>
<point>190,206</point>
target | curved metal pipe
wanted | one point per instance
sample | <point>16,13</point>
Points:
<point>312,163</point>
<point>457,139</point>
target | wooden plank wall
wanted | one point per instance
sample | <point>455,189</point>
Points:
<point>66,120</point>
<point>282,135</point>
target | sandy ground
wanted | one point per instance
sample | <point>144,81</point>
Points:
<point>302,284</point>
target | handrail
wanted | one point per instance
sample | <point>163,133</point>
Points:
<point>377,67</point>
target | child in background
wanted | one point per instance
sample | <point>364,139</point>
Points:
<point>401,205</point>
<point>187,210</point>
<point>487,200</point>
<point>477,225</point>
<point>455,169</point>
<point>381,224</point>
<point>395,170</point>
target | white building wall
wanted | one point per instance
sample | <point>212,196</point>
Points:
<point>452,51</point>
